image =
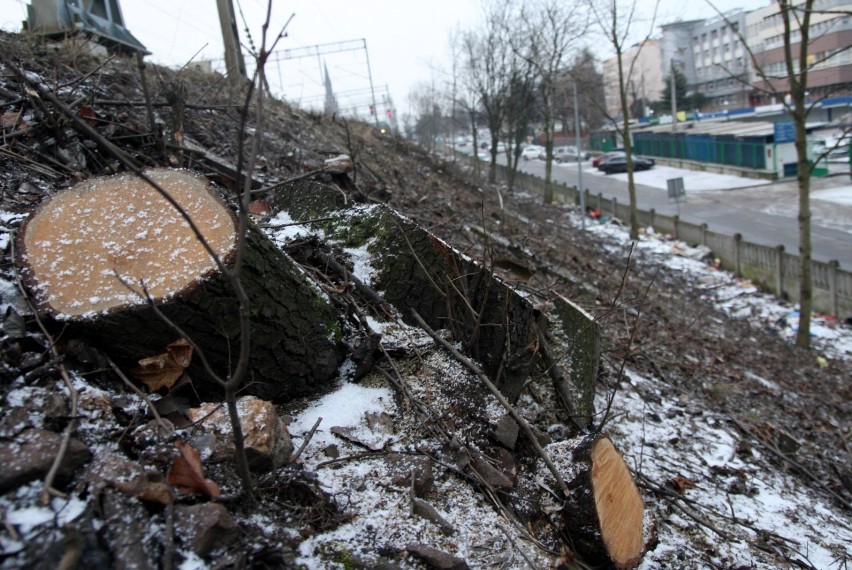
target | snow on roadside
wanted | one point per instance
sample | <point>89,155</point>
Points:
<point>693,180</point>
<point>738,297</point>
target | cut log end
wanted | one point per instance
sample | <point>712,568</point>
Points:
<point>84,247</point>
<point>604,514</point>
<point>619,505</point>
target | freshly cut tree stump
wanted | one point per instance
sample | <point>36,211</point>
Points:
<point>82,250</point>
<point>85,241</point>
<point>604,516</point>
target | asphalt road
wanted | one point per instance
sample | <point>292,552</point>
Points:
<point>765,214</point>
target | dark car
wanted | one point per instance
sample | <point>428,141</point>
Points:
<point>618,163</point>
<point>596,162</point>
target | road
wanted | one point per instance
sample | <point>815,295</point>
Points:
<point>764,214</point>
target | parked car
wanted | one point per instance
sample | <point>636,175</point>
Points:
<point>596,162</point>
<point>618,163</point>
<point>568,154</point>
<point>532,152</point>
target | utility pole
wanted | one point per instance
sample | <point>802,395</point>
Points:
<point>579,157</point>
<point>231,38</point>
<point>674,99</point>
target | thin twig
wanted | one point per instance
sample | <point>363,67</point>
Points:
<point>794,463</point>
<point>305,443</point>
<point>160,421</point>
<point>525,427</point>
<point>289,181</point>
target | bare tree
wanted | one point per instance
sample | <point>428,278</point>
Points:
<point>488,59</point>
<point>590,91</point>
<point>787,80</point>
<point>553,28</point>
<point>615,22</point>
<point>428,114</point>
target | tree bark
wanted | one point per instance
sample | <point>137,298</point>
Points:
<point>416,270</point>
<point>293,326</point>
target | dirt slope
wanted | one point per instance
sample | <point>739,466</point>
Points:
<point>652,320</point>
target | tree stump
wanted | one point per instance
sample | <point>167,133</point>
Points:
<point>82,251</point>
<point>605,514</point>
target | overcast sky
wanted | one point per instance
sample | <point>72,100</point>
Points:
<point>407,40</point>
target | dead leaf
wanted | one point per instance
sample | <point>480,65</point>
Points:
<point>163,370</point>
<point>680,484</point>
<point>259,207</point>
<point>10,120</point>
<point>86,112</point>
<point>186,473</point>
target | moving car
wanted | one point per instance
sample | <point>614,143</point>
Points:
<point>618,163</point>
<point>532,152</point>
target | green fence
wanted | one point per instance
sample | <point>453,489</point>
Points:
<point>747,153</point>
<point>711,149</point>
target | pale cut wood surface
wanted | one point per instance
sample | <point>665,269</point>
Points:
<point>77,244</point>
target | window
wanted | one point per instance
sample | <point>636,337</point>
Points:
<point>97,7</point>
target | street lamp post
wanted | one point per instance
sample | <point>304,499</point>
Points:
<point>579,158</point>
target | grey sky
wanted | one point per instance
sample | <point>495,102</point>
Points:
<point>407,41</point>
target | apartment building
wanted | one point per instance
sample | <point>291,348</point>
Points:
<point>721,61</point>
<point>829,55</point>
<point>643,75</point>
<point>715,55</point>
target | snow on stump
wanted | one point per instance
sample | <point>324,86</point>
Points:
<point>604,516</point>
<point>81,250</point>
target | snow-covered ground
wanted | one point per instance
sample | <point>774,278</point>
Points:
<point>693,181</point>
<point>734,512</point>
<point>840,195</point>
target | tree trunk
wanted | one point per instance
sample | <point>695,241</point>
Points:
<point>83,250</point>
<point>604,516</point>
<point>416,270</point>
<point>631,184</point>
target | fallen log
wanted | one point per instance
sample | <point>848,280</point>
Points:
<point>86,253</point>
<point>604,514</point>
<point>417,271</point>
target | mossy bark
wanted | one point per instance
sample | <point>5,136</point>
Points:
<point>417,271</point>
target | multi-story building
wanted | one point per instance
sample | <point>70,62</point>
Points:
<point>643,76</point>
<point>736,60</point>
<point>829,56</point>
<point>721,61</point>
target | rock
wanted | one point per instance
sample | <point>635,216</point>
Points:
<point>268,444</point>
<point>116,471</point>
<point>405,465</point>
<point>506,432</point>
<point>435,558</point>
<point>126,531</point>
<point>31,455</point>
<point>204,527</point>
